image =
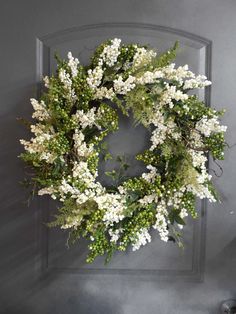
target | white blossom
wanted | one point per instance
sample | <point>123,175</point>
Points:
<point>196,138</point>
<point>72,222</point>
<point>66,188</point>
<point>48,190</point>
<point>183,213</point>
<point>161,221</point>
<point>104,92</point>
<point>115,234</point>
<point>200,188</point>
<point>172,93</point>
<point>65,78</point>
<point>177,74</point>
<point>143,237</point>
<point>199,81</point>
<point>162,130</point>
<point>81,171</point>
<point>39,143</point>
<point>123,87</point>
<point>46,81</point>
<point>201,191</point>
<point>209,125</point>
<point>148,199</point>
<point>40,111</point>
<point>67,82</point>
<point>149,77</point>
<point>111,52</point>
<point>94,78</point>
<point>143,57</point>
<point>114,205</point>
<point>198,158</point>
<point>81,147</point>
<point>85,119</point>
<point>150,176</point>
<point>73,64</point>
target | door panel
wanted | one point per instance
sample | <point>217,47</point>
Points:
<point>157,258</point>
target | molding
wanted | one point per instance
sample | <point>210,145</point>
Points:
<point>43,49</point>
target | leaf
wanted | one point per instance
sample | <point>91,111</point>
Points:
<point>165,58</point>
<point>132,197</point>
<point>119,158</point>
<point>111,174</point>
<point>24,122</point>
<point>125,166</point>
<point>179,220</point>
<point>130,209</point>
<point>172,239</point>
<point>107,156</point>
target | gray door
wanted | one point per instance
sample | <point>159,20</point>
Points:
<point>38,273</point>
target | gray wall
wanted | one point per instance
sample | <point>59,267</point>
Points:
<point>24,289</point>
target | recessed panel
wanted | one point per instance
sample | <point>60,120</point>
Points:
<point>156,256</point>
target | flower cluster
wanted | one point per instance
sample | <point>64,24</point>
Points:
<point>123,87</point>
<point>72,120</point>
<point>208,126</point>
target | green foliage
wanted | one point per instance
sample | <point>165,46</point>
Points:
<point>216,144</point>
<point>141,104</point>
<point>118,175</point>
<point>167,57</point>
<point>71,210</point>
<point>109,118</point>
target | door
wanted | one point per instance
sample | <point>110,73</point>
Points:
<point>38,273</point>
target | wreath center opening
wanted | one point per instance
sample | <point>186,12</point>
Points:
<point>119,150</point>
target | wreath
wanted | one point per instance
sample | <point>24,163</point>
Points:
<point>76,112</point>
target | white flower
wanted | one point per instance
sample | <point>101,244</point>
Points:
<point>198,158</point>
<point>85,119</point>
<point>104,92</point>
<point>177,74</point>
<point>172,93</point>
<point>148,199</point>
<point>115,234</point>
<point>143,237</point>
<point>151,176</point>
<point>199,81</point>
<point>183,213</point>
<point>121,189</point>
<point>143,57</point>
<point>162,130</point>
<point>66,188</point>
<point>149,77</point>
<point>40,112</point>
<point>46,81</point>
<point>81,147</point>
<point>209,125</point>
<point>123,87</point>
<point>81,171</point>
<point>67,82</point>
<point>196,139</point>
<point>114,205</point>
<point>201,191</point>
<point>48,190</point>
<point>94,78</point>
<point>73,64</point>
<point>200,188</point>
<point>65,78</point>
<point>111,52</point>
<point>161,222</point>
<point>39,143</point>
